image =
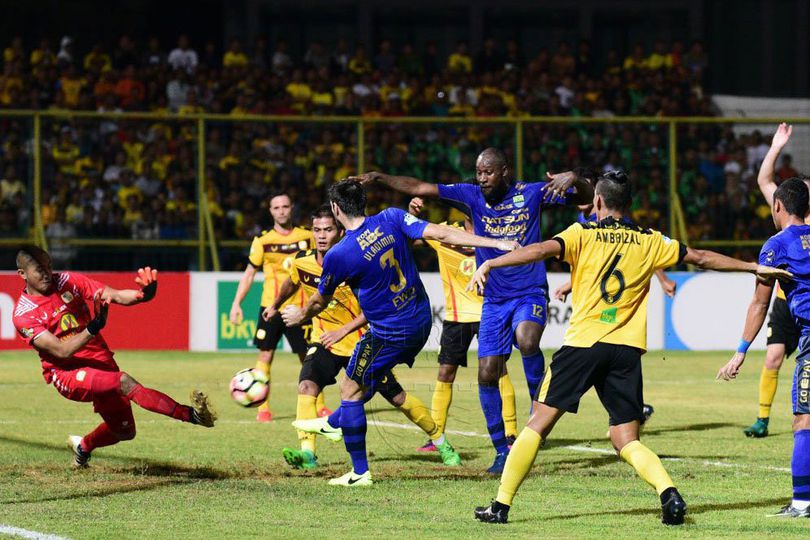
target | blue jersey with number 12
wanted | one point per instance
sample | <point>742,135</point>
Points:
<point>516,217</point>
<point>375,260</point>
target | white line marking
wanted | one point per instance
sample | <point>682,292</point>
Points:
<point>580,448</point>
<point>25,533</point>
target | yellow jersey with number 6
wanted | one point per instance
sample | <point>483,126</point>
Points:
<point>612,262</point>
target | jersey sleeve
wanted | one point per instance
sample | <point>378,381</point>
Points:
<point>570,243</point>
<point>770,254</point>
<point>256,253</point>
<point>668,252</point>
<point>86,286</point>
<point>294,277</point>
<point>410,225</point>
<point>29,327</point>
<point>463,194</point>
<point>334,273</point>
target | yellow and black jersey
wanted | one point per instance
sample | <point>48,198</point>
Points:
<point>272,253</point>
<point>456,266</point>
<point>611,266</point>
<point>306,271</point>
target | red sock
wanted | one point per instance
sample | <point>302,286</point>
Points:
<point>158,402</point>
<point>101,436</point>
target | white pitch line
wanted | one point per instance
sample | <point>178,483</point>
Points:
<point>25,533</point>
<point>580,448</point>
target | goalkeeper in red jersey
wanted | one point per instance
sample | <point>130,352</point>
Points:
<point>53,317</point>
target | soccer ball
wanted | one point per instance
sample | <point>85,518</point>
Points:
<point>249,387</point>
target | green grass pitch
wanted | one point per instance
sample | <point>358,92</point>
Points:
<point>179,481</point>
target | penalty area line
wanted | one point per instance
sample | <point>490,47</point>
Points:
<point>8,530</point>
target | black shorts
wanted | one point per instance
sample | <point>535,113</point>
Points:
<point>781,327</point>
<point>455,342</point>
<point>268,333</point>
<point>321,366</point>
<point>614,370</point>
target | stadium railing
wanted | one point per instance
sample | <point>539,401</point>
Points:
<point>206,244</point>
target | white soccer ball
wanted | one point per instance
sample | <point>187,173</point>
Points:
<point>249,387</point>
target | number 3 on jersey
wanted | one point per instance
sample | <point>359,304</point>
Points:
<point>388,259</point>
<point>612,272</point>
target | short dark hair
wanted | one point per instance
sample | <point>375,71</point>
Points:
<point>588,173</point>
<point>350,197</point>
<point>30,253</point>
<point>614,188</point>
<point>279,194</point>
<point>495,155</point>
<point>324,211</point>
<point>794,196</point>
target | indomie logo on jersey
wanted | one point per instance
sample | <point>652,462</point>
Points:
<point>68,322</point>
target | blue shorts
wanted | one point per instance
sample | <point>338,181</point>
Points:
<point>801,378</point>
<point>500,319</point>
<point>373,357</point>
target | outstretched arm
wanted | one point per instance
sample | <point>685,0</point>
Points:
<point>765,180</point>
<point>710,260</point>
<point>458,237</point>
<point>147,279</point>
<point>757,310</point>
<point>403,184</point>
<point>558,184</point>
<point>525,255</point>
<point>63,349</point>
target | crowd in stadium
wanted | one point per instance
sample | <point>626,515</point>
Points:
<point>138,179</point>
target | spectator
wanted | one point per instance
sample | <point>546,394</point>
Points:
<point>489,60</point>
<point>183,57</point>
<point>563,63</point>
<point>341,57</point>
<point>42,57</point>
<point>316,56</point>
<point>10,185</point>
<point>177,90</point>
<point>234,56</point>
<point>786,169</point>
<point>130,91</point>
<point>359,64</point>
<point>460,61</point>
<point>385,59</point>
<point>97,61</point>
<point>125,54</point>
<point>65,55</point>
<point>660,58</point>
<point>281,61</point>
<point>153,55</point>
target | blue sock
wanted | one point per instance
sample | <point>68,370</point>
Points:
<point>492,406</point>
<point>534,366</point>
<point>334,418</point>
<point>353,424</point>
<point>800,465</point>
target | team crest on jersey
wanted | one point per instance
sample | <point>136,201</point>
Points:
<point>68,322</point>
<point>410,219</point>
<point>519,201</point>
<point>27,332</point>
<point>303,244</point>
<point>467,266</point>
<point>67,297</point>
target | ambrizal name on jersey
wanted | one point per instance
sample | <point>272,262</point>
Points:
<point>617,237</point>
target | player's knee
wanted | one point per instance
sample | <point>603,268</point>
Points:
<point>801,422</point>
<point>350,390</point>
<point>447,373</point>
<point>489,373</point>
<point>774,361</point>
<point>308,388</point>
<point>396,400</point>
<point>127,383</point>
<point>127,433</point>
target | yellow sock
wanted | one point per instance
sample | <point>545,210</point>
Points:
<point>518,464</point>
<point>264,367</point>
<point>647,465</point>
<point>768,380</point>
<point>305,410</point>
<point>418,413</point>
<point>508,400</point>
<point>320,402</point>
<point>440,404</point>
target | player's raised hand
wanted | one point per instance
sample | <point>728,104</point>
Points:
<point>292,315</point>
<point>415,206</point>
<point>101,307</point>
<point>479,279</point>
<point>147,279</point>
<point>730,370</point>
<point>557,185</point>
<point>366,178</point>
<point>782,136</point>
<point>236,315</point>
<point>769,273</point>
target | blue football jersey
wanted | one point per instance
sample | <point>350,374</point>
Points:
<point>516,217</point>
<point>582,218</point>
<point>790,249</point>
<point>375,260</point>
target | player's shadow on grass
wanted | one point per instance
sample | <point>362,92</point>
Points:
<point>655,512</point>
<point>689,427</point>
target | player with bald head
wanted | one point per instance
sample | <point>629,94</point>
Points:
<point>515,300</point>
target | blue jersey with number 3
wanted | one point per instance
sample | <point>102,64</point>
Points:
<point>790,249</point>
<point>516,217</point>
<point>375,260</point>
